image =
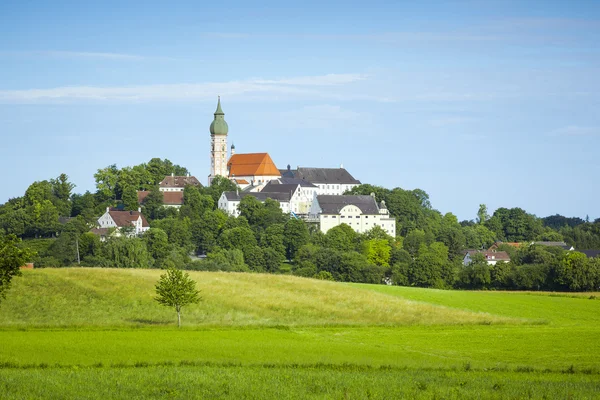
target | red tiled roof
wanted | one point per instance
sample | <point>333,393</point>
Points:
<point>169,198</point>
<point>241,181</point>
<point>252,164</point>
<point>125,218</point>
<point>491,255</point>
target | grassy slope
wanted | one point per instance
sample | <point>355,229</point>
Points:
<point>85,297</point>
<point>564,309</point>
<point>265,336</point>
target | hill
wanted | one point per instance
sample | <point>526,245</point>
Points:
<point>88,297</point>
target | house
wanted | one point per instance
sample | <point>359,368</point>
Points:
<point>177,183</point>
<point>229,201</point>
<point>124,219</point>
<point>590,253</point>
<point>555,244</point>
<point>492,257</point>
<point>302,193</point>
<point>252,169</point>
<point>334,181</point>
<point>360,212</point>
<point>170,199</point>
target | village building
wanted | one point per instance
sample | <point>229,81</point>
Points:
<point>177,183</point>
<point>303,193</point>
<point>360,212</point>
<point>170,199</point>
<point>230,201</point>
<point>252,170</point>
<point>334,181</point>
<point>122,219</point>
<point>218,144</point>
<point>491,257</point>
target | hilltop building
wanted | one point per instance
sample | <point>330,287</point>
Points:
<point>122,219</point>
<point>491,256</point>
<point>333,181</point>
<point>174,183</point>
<point>315,194</point>
<point>218,144</point>
<point>252,170</point>
<point>360,212</point>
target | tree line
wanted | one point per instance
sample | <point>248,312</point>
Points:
<point>426,252</point>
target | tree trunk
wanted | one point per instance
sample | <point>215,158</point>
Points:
<point>178,318</point>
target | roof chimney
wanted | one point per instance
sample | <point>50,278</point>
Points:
<point>172,173</point>
<point>341,166</point>
<point>139,209</point>
<point>107,209</point>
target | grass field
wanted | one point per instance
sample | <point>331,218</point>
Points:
<point>97,333</point>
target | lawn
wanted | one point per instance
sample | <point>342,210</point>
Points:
<point>98,333</point>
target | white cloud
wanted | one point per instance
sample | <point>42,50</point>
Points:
<point>76,54</point>
<point>305,86</point>
<point>575,130</point>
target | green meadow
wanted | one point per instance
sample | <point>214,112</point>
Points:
<point>98,333</point>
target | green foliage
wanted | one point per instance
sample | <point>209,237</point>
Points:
<point>176,289</point>
<point>341,237</point>
<point>125,252</point>
<point>130,199</point>
<point>12,256</point>
<point>295,235</point>
<point>514,225</point>
<point>153,204</point>
<point>578,273</point>
<point>195,204</point>
<point>225,260</point>
<point>377,251</point>
<point>157,244</point>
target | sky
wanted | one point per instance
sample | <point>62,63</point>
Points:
<point>475,102</point>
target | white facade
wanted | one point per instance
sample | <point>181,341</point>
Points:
<point>334,189</point>
<point>229,201</point>
<point>353,216</point>
<point>491,257</point>
<point>110,219</point>
<point>218,156</point>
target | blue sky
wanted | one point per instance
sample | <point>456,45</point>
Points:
<point>494,102</point>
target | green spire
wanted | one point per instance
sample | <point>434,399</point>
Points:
<point>219,126</point>
<point>219,110</point>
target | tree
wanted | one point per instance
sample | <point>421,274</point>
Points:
<point>130,198</point>
<point>106,181</point>
<point>482,214</point>
<point>176,289</point>
<point>295,235</point>
<point>195,203</point>
<point>153,203</point>
<point>11,258</point>
<point>157,243</point>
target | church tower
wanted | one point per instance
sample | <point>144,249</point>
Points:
<point>218,144</point>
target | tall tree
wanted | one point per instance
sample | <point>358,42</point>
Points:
<point>482,214</point>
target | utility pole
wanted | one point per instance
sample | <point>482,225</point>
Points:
<point>77,244</point>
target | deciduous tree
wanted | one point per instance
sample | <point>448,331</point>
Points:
<point>176,289</point>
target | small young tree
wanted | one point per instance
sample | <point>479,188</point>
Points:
<point>176,289</point>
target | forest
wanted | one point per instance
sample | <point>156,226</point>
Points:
<point>55,222</point>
